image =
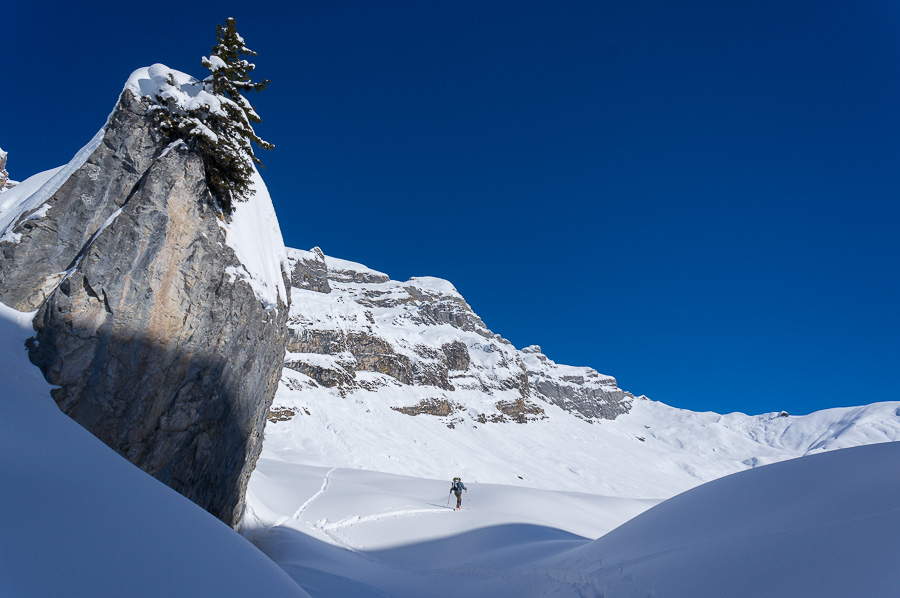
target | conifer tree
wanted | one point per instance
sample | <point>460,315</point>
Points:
<point>228,169</point>
<point>221,126</point>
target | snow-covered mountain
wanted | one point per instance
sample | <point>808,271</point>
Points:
<point>405,378</point>
<point>392,388</point>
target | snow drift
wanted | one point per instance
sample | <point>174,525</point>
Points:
<point>823,525</point>
<point>82,521</point>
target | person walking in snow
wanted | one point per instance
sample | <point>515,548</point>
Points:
<point>457,488</point>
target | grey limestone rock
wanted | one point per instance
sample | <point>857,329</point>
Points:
<point>437,407</point>
<point>329,377</point>
<point>330,373</point>
<point>580,390</point>
<point>371,353</point>
<point>364,277</point>
<point>435,308</point>
<point>456,355</point>
<point>432,373</point>
<point>32,268</point>
<point>155,348</point>
<point>373,325</point>
<point>309,271</point>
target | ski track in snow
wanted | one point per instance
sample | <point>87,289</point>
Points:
<point>325,481</point>
<point>351,521</point>
<point>332,529</point>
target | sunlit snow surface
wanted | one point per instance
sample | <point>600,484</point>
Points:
<point>343,531</point>
<point>255,236</point>
<point>821,526</point>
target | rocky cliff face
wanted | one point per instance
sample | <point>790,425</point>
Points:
<point>580,390</point>
<point>310,271</point>
<point>146,319</point>
<point>347,320</point>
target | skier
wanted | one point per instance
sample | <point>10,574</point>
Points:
<point>457,488</point>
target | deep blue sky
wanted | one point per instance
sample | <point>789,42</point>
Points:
<point>699,198</point>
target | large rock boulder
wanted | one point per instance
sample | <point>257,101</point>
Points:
<point>147,321</point>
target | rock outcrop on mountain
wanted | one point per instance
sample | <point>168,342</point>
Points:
<point>347,319</point>
<point>148,320</point>
<point>581,390</point>
<point>310,272</point>
<point>5,183</point>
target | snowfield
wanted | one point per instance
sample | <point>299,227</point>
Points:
<point>820,526</point>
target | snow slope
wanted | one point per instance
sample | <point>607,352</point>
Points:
<point>79,520</point>
<point>680,449</point>
<point>255,236</point>
<point>342,532</point>
<point>824,525</point>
